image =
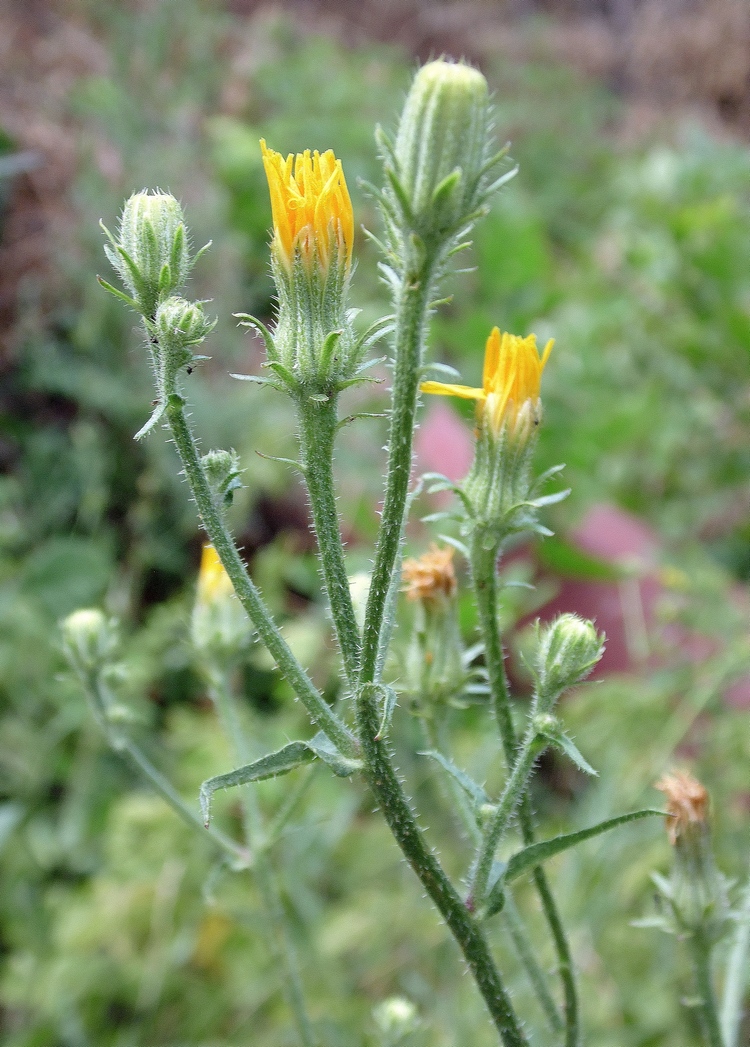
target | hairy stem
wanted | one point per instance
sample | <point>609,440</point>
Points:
<point>700,949</point>
<point>317,428</point>
<point>411,314</point>
<point>248,595</point>
<point>537,978</point>
<point>385,785</point>
<point>99,700</point>
<point>484,579</point>
<point>515,787</point>
<point>265,877</point>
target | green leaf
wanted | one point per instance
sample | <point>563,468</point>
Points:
<point>475,792</point>
<point>389,702</point>
<point>271,766</point>
<point>322,747</point>
<point>536,853</point>
<point>571,750</point>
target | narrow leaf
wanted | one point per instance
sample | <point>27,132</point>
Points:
<point>342,766</point>
<point>537,853</point>
<point>389,702</point>
<point>271,766</point>
<point>475,792</point>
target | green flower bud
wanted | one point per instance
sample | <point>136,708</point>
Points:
<point>396,1018</point>
<point>180,325</point>
<point>152,252</point>
<point>567,651</point>
<point>223,474</point>
<point>89,639</point>
<point>441,144</point>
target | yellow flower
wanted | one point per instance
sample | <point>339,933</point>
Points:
<point>311,208</point>
<point>512,377</point>
<point>214,584</point>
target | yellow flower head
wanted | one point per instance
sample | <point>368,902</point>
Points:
<point>214,584</point>
<point>512,377</point>
<point>311,208</point>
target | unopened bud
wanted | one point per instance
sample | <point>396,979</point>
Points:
<point>441,144</point>
<point>222,470</point>
<point>567,650</point>
<point>182,323</point>
<point>89,639</point>
<point>697,891</point>
<point>395,1019</point>
<point>152,252</point>
<point>220,629</point>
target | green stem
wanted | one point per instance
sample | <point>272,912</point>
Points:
<point>411,315</point>
<point>484,579</point>
<point>452,790</point>
<point>385,785</point>
<point>265,878</point>
<point>519,935</point>
<point>737,975</point>
<point>701,956</point>
<point>248,595</point>
<point>317,426</point>
<point>515,787</point>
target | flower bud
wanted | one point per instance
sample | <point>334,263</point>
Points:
<point>222,470</point>
<point>697,894</point>
<point>311,261</point>
<point>181,325</point>
<point>89,639</point>
<point>220,629</point>
<point>152,252</point>
<point>395,1019</point>
<point>567,650</point>
<point>441,144</point>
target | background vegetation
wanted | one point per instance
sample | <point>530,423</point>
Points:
<point>626,235</point>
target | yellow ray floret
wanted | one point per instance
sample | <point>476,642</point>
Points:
<point>512,377</point>
<point>214,584</point>
<point>311,207</point>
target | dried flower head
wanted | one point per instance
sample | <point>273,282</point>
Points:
<point>312,211</point>
<point>687,802</point>
<point>431,575</point>
<point>512,378</point>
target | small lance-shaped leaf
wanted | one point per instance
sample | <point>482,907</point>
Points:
<point>475,792</point>
<point>536,853</point>
<point>275,764</point>
<point>558,737</point>
<point>389,701</point>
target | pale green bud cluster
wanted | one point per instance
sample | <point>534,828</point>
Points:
<point>152,250</point>
<point>566,651</point>
<point>223,471</point>
<point>89,640</point>
<point>396,1018</point>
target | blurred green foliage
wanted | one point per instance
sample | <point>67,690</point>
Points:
<point>116,928</point>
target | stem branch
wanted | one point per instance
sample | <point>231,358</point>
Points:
<point>248,595</point>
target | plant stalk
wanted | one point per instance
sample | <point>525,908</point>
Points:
<point>515,787</point>
<point>226,706</point>
<point>317,430</point>
<point>411,315</point>
<point>700,949</point>
<point>248,595</point>
<point>484,580</point>
<point>736,975</point>
<point>385,785</point>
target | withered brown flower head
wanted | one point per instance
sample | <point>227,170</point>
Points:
<point>687,802</point>
<point>430,575</point>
